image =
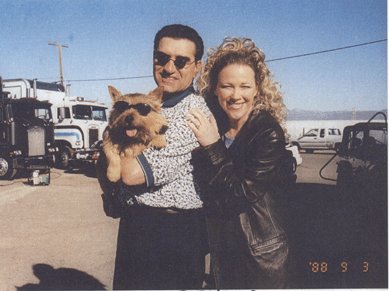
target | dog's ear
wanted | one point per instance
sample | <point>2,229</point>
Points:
<point>114,93</point>
<point>157,93</point>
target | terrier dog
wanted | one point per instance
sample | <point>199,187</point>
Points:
<point>135,123</point>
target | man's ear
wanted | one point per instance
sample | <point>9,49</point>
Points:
<point>198,65</point>
<point>157,93</point>
<point>114,93</point>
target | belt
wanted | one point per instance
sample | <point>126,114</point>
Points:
<point>160,210</point>
<point>169,210</point>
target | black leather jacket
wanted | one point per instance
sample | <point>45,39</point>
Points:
<point>245,186</point>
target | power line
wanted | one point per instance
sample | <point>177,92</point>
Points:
<point>326,51</point>
<point>110,79</point>
<point>272,60</point>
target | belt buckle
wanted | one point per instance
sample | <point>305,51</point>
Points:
<point>171,211</point>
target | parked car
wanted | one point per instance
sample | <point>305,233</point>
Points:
<point>319,139</point>
<point>296,155</point>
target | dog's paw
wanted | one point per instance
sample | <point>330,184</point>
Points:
<point>159,142</point>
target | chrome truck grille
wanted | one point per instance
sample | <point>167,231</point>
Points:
<point>36,141</point>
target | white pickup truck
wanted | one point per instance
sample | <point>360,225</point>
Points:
<point>319,139</point>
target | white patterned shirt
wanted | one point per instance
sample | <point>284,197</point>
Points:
<point>168,171</point>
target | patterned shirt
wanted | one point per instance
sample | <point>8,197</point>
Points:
<point>168,171</point>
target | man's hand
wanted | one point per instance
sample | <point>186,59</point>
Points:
<point>101,173</point>
<point>132,173</point>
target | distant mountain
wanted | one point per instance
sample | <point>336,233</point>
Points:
<point>301,114</point>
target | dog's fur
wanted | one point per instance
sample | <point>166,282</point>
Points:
<point>129,132</point>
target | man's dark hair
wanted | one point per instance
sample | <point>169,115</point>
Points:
<point>179,31</point>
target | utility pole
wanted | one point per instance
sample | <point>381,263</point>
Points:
<point>59,47</point>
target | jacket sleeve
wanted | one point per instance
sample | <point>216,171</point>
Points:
<point>247,178</point>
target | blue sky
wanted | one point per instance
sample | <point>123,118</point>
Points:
<point>113,39</point>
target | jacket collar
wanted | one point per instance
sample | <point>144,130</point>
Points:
<point>174,99</point>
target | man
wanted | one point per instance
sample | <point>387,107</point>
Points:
<point>161,240</point>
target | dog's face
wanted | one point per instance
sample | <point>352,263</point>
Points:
<point>135,118</point>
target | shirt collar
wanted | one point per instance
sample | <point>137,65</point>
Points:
<point>176,98</point>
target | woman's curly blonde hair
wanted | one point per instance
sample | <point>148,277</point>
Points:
<point>243,51</point>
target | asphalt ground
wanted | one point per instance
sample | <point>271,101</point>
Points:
<point>57,237</point>
<point>338,238</point>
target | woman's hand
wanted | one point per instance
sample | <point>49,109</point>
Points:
<point>204,128</point>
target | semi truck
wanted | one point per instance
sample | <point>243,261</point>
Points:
<point>26,137</point>
<point>78,123</point>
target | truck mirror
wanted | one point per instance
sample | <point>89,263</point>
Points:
<point>61,114</point>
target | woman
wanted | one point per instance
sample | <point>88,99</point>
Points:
<point>242,167</point>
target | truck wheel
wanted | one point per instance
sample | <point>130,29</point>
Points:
<point>7,172</point>
<point>63,157</point>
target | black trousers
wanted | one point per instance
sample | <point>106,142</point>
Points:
<point>157,250</point>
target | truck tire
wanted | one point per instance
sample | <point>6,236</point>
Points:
<point>63,157</point>
<point>7,171</point>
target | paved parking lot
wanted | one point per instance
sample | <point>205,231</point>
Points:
<point>58,235</point>
<point>60,229</point>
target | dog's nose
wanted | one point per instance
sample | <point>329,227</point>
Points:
<point>129,119</point>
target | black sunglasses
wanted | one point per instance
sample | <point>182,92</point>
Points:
<point>142,108</point>
<point>162,59</point>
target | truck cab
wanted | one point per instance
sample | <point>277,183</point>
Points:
<point>319,139</point>
<point>79,128</point>
<point>26,136</point>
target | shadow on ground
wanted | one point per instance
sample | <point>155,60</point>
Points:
<point>338,239</point>
<point>61,279</point>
